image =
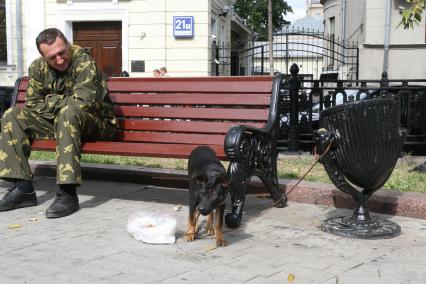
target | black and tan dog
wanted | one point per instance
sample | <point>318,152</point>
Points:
<point>208,186</point>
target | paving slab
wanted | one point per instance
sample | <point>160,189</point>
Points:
<point>93,246</point>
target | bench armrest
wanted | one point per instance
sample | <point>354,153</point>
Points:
<point>241,139</point>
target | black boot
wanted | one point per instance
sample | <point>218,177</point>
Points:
<point>65,203</point>
<point>21,195</point>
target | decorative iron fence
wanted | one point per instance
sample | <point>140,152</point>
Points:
<point>317,55</point>
<point>302,101</point>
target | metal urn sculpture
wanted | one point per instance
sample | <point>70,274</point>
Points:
<point>361,141</point>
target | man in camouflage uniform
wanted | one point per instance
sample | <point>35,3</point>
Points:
<point>66,100</point>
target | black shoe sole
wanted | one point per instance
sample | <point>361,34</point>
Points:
<point>21,205</point>
<point>52,215</point>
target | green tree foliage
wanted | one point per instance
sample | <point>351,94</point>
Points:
<point>412,15</point>
<point>255,12</point>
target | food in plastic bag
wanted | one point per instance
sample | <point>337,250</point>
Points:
<point>152,227</point>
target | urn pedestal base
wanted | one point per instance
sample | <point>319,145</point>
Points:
<point>372,229</point>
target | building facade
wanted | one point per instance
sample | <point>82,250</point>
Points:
<point>136,36</point>
<point>364,22</point>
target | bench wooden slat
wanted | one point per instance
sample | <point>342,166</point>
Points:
<point>165,137</point>
<point>192,99</point>
<point>201,84</point>
<point>188,113</point>
<point>192,113</point>
<point>21,96</point>
<point>23,85</point>
<point>133,149</point>
<point>179,126</point>
<point>233,84</point>
<point>257,99</point>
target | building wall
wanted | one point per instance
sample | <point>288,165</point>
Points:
<point>9,73</point>
<point>375,25</point>
<point>404,63</point>
<point>147,31</point>
<point>314,9</point>
<point>365,23</point>
<point>355,21</point>
<point>407,47</point>
<point>221,33</point>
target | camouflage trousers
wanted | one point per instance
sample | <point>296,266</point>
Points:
<point>70,127</point>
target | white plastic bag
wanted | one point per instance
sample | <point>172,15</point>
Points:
<point>152,228</point>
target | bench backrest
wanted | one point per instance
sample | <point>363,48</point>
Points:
<point>193,111</point>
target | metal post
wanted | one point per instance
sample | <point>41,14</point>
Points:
<point>270,39</point>
<point>294,85</point>
<point>286,54</point>
<point>262,58</point>
<point>387,36</point>
<point>384,85</point>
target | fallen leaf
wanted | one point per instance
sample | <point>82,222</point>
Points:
<point>211,248</point>
<point>14,226</point>
<point>290,278</point>
<point>35,219</point>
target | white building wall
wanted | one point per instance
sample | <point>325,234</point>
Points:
<point>404,63</point>
<point>36,22</point>
<point>375,26</point>
<point>355,21</point>
<point>407,47</point>
<point>366,21</point>
<point>147,31</point>
<point>223,31</point>
<point>9,73</point>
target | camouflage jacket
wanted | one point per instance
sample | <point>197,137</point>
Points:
<point>81,84</point>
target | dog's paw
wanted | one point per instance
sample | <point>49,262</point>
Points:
<point>189,237</point>
<point>210,232</point>
<point>221,243</point>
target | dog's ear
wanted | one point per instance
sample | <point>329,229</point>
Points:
<point>223,181</point>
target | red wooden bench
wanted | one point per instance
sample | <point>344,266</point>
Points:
<point>169,117</point>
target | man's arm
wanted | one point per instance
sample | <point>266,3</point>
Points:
<point>87,85</point>
<point>36,93</point>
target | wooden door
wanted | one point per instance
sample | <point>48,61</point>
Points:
<point>103,39</point>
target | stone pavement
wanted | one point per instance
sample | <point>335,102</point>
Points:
<point>282,246</point>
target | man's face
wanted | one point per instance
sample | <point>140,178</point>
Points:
<point>57,55</point>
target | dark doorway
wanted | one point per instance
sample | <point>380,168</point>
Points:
<point>103,39</point>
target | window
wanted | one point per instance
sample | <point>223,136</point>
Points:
<point>3,38</point>
<point>332,27</point>
<point>332,44</point>
<point>213,28</point>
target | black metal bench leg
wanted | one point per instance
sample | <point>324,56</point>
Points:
<point>238,188</point>
<point>269,178</point>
